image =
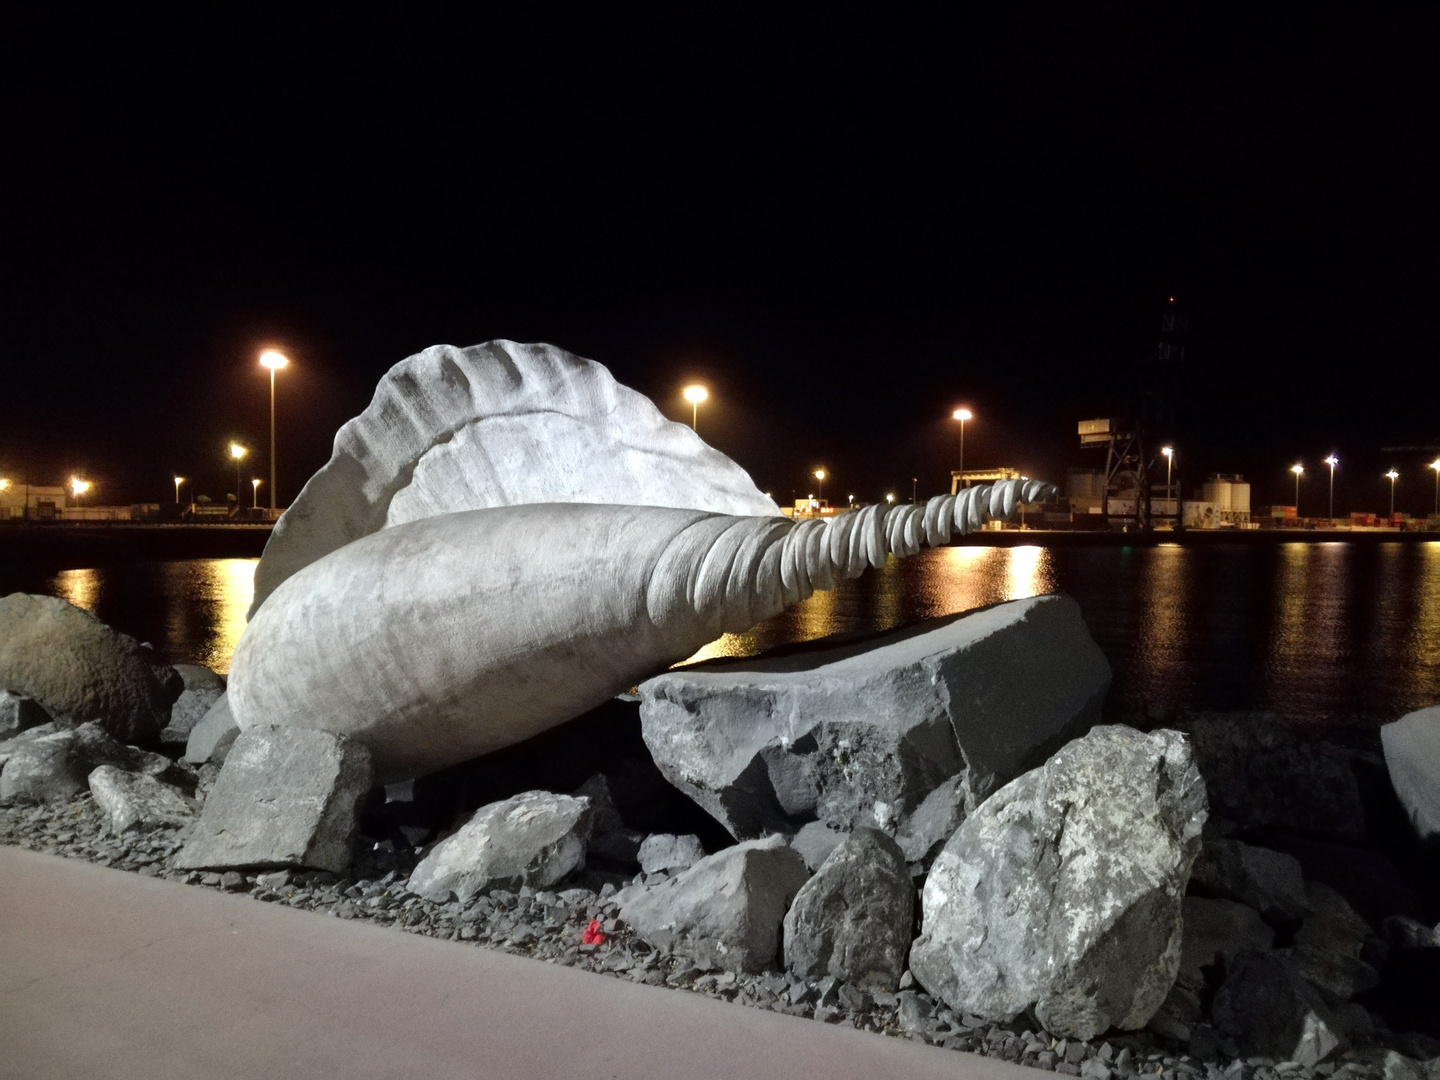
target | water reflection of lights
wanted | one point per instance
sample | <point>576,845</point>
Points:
<point>79,587</point>
<point>1161,634</point>
<point>221,590</point>
<point>1425,638</point>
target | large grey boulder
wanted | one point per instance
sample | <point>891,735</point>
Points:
<point>1412,757</point>
<point>669,853</point>
<point>1063,890</point>
<point>1271,882</point>
<point>727,908</point>
<point>136,801</point>
<point>610,838</point>
<point>1216,932</point>
<point>80,668</point>
<point>860,733</point>
<point>1268,1009</point>
<point>815,841</point>
<point>19,713</point>
<point>213,735</point>
<point>285,797</point>
<point>854,919</point>
<point>534,839</point>
<point>56,767</point>
<point>202,689</point>
<point>1329,945</point>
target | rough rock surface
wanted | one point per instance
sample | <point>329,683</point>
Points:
<point>213,735</point>
<point>284,797</point>
<point>1271,882</point>
<point>860,733</point>
<point>610,839</point>
<point>667,852</point>
<point>80,668</point>
<point>202,689</point>
<point>137,801</point>
<point>1328,947</point>
<point>934,821</point>
<point>1063,890</point>
<point>533,839</point>
<point>1412,757</point>
<point>727,908</point>
<point>855,917</point>
<point>56,766</point>
<point>1268,1008</point>
<point>1215,933</point>
<point>815,841</point>
<point>19,713</point>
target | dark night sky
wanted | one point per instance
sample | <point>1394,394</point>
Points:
<point>846,228</point>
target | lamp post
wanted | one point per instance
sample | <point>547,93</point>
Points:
<point>254,493</point>
<point>1332,461</point>
<point>178,481</point>
<point>962,415</point>
<point>1299,471</point>
<point>237,452</point>
<point>1169,452</point>
<point>1436,466</point>
<point>820,476</point>
<point>78,487</point>
<point>274,361</point>
<point>1393,476</point>
<point>695,395</point>
<point>914,483</point>
<point>890,498</point>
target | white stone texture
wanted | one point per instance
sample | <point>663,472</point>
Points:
<point>137,801</point>
<point>285,797</point>
<point>202,689</point>
<point>727,908</point>
<point>1271,882</point>
<point>507,538</point>
<point>19,712</point>
<point>1063,890</point>
<point>56,767</point>
<point>855,918</point>
<point>81,669</point>
<point>1412,757</point>
<point>535,838</point>
<point>861,733</point>
<point>667,852</point>
<point>213,735</point>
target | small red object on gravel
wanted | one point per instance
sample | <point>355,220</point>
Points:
<point>593,935</point>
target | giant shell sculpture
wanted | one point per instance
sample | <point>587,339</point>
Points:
<point>507,537</point>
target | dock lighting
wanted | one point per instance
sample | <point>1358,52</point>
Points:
<point>1433,465</point>
<point>850,499</point>
<point>178,481</point>
<point>962,415</point>
<point>4,484</point>
<point>1332,461</point>
<point>695,395</point>
<point>274,361</point>
<point>237,452</point>
<point>78,487</point>
<point>1299,471</point>
<point>890,498</point>
<point>1169,452</point>
<point>1392,475</point>
<point>820,476</point>
<point>254,494</point>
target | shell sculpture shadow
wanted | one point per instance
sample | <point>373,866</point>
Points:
<point>507,537</point>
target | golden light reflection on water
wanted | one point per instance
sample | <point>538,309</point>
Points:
<point>935,582</point>
<point>213,595</point>
<point>79,587</point>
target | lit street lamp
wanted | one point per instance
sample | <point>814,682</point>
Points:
<point>1332,461</point>
<point>1436,466</point>
<point>890,498</point>
<point>78,487</point>
<point>237,452</point>
<point>1169,452</point>
<point>820,475</point>
<point>1393,476</point>
<point>274,361</point>
<point>962,415</point>
<point>255,494</point>
<point>695,395</point>
<point>178,481</point>
<point>914,482</point>
<point>1299,471</point>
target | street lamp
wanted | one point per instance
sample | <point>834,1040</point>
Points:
<point>274,361</point>
<point>962,415</point>
<point>1332,461</point>
<point>1436,466</point>
<point>695,395</point>
<point>820,475</point>
<point>255,494</point>
<point>78,487</point>
<point>914,483</point>
<point>1393,476</point>
<point>237,452</point>
<point>178,481</point>
<point>1299,471</point>
<point>1169,452</point>
<point>890,498</point>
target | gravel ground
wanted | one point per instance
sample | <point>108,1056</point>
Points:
<point>548,926</point>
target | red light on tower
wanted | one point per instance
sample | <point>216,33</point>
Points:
<point>1172,299</point>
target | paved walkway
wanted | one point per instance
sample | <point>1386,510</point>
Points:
<point>108,974</point>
